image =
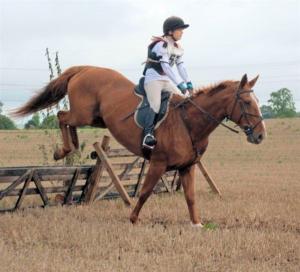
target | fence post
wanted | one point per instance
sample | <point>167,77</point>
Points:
<point>115,179</point>
<point>209,180</point>
<point>95,177</point>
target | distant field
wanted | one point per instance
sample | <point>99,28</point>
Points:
<point>254,227</point>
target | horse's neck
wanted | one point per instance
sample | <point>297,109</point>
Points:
<point>202,125</point>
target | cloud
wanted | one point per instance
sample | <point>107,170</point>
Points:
<point>226,39</point>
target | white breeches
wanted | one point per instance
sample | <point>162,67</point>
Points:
<point>153,91</point>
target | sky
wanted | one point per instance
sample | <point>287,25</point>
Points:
<point>226,39</point>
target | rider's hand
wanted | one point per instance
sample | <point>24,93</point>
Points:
<point>190,87</point>
<point>182,87</point>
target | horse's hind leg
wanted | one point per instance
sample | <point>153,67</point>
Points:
<point>156,170</point>
<point>74,136</point>
<point>64,119</point>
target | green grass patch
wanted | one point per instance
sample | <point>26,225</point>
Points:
<point>210,226</point>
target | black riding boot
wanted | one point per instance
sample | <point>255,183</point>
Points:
<point>149,140</point>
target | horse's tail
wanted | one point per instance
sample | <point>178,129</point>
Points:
<point>49,95</point>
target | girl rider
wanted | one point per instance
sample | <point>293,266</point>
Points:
<point>163,53</point>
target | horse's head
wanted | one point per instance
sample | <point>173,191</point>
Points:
<point>244,110</point>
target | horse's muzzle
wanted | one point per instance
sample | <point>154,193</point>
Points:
<point>255,138</point>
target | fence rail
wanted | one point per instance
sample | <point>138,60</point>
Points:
<point>55,185</point>
<point>108,178</point>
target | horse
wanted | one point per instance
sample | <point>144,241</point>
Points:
<point>102,97</point>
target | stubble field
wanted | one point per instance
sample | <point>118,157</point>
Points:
<point>255,226</point>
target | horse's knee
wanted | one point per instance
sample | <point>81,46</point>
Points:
<point>190,201</point>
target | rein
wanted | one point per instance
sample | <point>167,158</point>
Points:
<point>205,112</point>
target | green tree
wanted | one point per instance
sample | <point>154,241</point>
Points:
<point>282,103</point>
<point>49,122</point>
<point>6,123</point>
<point>34,122</point>
<point>267,112</point>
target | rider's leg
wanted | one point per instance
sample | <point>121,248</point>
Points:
<point>153,92</point>
<point>149,141</point>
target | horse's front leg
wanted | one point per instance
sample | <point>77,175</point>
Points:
<point>187,177</point>
<point>156,170</point>
<point>64,119</point>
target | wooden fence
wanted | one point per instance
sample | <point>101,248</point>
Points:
<point>117,173</point>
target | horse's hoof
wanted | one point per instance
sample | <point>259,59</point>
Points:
<point>133,219</point>
<point>94,155</point>
<point>59,199</point>
<point>58,154</point>
<point>196,225</point>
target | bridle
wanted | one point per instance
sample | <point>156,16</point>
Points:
<point>248,129</point>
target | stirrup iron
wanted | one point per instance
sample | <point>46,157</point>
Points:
<point>147,145</point>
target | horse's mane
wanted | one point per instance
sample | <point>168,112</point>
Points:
<point>214,88</point>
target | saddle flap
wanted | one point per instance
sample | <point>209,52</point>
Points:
<point>144,106</point>
<point>139,89</point>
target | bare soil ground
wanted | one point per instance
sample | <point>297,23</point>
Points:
<point>255,226</point>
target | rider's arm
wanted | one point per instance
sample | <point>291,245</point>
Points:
<point>181,70</point>
<point>169,72</point>
<point>162,52</point>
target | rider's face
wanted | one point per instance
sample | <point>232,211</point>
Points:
<point>177,34</point>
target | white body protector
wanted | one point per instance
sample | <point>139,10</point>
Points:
<point>167,54</point>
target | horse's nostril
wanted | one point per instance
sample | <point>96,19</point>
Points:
<point>259,138</point>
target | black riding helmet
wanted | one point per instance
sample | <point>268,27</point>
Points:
<point>172,23</point>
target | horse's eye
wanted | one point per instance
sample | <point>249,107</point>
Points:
<point>248,103</point>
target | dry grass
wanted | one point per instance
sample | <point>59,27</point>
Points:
<point>254,227</point>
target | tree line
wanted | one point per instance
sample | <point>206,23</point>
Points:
<point>6,122</point>
<point>280,105</point>
<point>36,122</point>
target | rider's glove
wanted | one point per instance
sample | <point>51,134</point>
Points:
<point>182,87</point>
<point>189,86</point>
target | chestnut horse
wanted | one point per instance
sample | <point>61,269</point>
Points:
<point>104,98</point>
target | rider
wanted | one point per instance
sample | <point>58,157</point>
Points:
<point>163,53</point>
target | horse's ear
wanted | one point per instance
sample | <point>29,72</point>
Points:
<point>253,81</point>
<point>244,81</point>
